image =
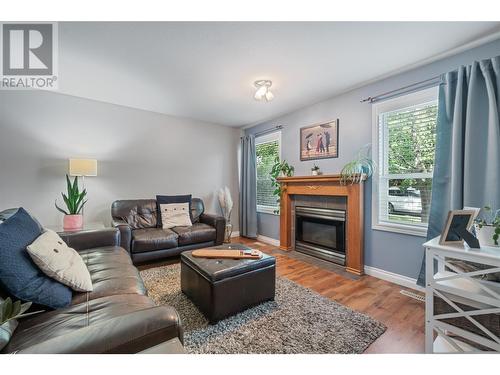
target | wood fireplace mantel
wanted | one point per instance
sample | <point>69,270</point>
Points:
<point>327,185</point>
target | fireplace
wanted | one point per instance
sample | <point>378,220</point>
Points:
<point>320,232</point>
<point>325,192</point>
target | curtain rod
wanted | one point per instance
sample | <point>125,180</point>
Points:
<point>277,127</point>
<point>434,81</point>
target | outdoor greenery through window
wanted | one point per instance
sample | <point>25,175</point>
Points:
<point>406,149</point>
<point>267,147</point>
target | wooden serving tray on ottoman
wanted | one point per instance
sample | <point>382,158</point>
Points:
<point>231,254</point>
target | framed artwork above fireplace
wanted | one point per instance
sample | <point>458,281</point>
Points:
<point>320,141</point>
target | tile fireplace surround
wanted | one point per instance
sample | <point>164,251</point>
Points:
<point>349,197</point>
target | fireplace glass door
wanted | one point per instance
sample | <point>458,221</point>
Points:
<point>320,232</point>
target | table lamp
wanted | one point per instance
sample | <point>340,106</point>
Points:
<point>82,168</point>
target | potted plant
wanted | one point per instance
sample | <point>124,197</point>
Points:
<point>8,313</point>
<point>74,200</point>
<point>488,228</point>
<point>358,169</point>
<point>315,170</point>
<point>226,205</point>
<point>279,169</point>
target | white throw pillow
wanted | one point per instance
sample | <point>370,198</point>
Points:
<point>51,254</point>
<point>175,215</point>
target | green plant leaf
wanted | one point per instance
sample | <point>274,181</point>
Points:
<point>68,203</point>
<point>79,205</point>
<point>16,308</point>
<point>24,307</point>
<point>6,309</point>
<point>9,310</point>
<point>75,185</point>
<point>60,209</point>
<point>3,310</point>
<point>80,209</point>
<point>68,183</point>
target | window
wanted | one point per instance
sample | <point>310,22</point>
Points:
<point>267,148</point>
<point>404,145</point>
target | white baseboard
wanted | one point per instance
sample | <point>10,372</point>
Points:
<point>395,278</point>
<point>235,234</point>
<point>268,240</point>
<point>392,277</point>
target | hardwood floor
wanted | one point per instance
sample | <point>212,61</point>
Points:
<point>403,316</point>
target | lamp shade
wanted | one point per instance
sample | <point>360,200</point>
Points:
<point>83,167</point>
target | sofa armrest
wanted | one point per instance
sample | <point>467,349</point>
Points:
<point>89,239</point>
<point>172,346</point>
<point>125,232</point>
<point>127,334</point>
<point>218,222</point>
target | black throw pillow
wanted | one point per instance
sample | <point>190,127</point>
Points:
<point>167,199</point>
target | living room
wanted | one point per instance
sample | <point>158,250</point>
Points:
<point>184,187</point>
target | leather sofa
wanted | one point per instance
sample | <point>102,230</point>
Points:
<point>116,317</point>
<point>137,222</point>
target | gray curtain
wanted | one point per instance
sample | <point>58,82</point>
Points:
<point>248,188</point>
<point>467,164</point>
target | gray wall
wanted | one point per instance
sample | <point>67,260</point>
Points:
<point>140,154</point>
<point>392,252</point>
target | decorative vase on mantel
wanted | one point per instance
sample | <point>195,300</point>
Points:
<point>315,171</point>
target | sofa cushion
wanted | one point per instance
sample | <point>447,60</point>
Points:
<point>19,275</point>
<point>151,239</point>
<point>105,254</point>
<point>196,233</point>
<point>60,262</point>
<point>170,199</point>
<point>111,272</point>
<point>174,215</point>
<point>52,324</point>
<point>138,213</point>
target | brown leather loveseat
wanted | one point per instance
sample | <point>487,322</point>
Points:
<point>116,317</point>
<point>137,222</point>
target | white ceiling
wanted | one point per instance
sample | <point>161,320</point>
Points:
<point>206,70</point>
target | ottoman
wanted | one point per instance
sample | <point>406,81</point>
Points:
<point>224,287</point>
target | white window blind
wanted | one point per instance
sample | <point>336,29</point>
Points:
<point>267,148</point>
<point>405,143</point>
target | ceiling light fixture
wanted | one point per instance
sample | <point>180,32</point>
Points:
<point>263,91</point>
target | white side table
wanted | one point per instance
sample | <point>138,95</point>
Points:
<point>453,286</point>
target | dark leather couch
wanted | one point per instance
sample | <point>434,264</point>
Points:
<point>116,317</point>
<point>137,222</point>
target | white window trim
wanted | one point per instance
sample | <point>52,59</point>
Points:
<point>267,210</point>
<point>269,137</point>
<point>408,100</point>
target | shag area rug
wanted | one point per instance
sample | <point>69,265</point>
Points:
<point>298,321</point>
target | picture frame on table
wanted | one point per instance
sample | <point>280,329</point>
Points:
<point>458,225</point>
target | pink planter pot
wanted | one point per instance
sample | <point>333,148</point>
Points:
<point>73,222</point>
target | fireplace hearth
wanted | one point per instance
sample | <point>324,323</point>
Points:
<point>320,232</point>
